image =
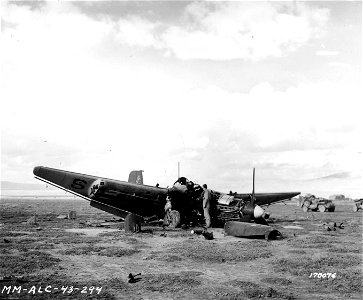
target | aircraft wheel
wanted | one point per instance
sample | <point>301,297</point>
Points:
<point>321,208</point>
<point>132,223</point>
<point>306,203</point>
<point>355,208</point>
<point>172,218</point>
<point>305,208</point>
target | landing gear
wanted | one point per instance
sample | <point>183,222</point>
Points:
<point>321,208</point>
<point>305,208</point>
<point>133,223</point>
<point>172,218</point>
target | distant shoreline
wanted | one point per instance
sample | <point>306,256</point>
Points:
<point>36,194</point>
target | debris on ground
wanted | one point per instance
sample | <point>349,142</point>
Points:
<point>62,216</point>
<point>208,235</point>
<point>333,227</point>
<point>12,278</point>
<point>197,231</point>
<point>114,220</point>
<point>132,278</point>
<point>32,220</point>
<point>251,230</point>
<point>72,215</point>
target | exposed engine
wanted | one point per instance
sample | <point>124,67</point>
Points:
<point>186,198</point>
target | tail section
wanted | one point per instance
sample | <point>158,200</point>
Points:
<point>136,177</point>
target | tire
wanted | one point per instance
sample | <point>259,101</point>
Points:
<point>321,208</point>
<point>331,209</point>
<point>305,208</point>
<point>355,208</point>
<point>172,218</point>
<point>132,223</point>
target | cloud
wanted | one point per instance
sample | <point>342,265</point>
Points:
<point>339,64</point>
<point>240,30</point>
<point>226,30</point>
<point>207,30</point>
<point>107,114</point>
<point>135,31</point>
<point>339,175</point>
<point>327,53</point>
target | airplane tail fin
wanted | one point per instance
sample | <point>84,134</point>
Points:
<point>136,177</point>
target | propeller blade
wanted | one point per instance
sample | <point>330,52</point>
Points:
<point>253,187</point>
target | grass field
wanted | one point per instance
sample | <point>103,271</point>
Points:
<point>56,253</point>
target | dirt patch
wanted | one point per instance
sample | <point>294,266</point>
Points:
<point>26,262</point>
<point>306,265</point>
<point>253,290</point>
<point>58,281</point>
<point>91,231</point>
<point>8,234</point>
<point>100,250</point>
<point>171,282</point>
<point>347,281</point>
<point>277,281</point>
<point>297,251</point>
<point>220,253</point>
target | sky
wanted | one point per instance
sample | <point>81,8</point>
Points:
<point>104,88</point>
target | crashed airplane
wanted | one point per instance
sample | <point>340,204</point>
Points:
<point>144,202</point>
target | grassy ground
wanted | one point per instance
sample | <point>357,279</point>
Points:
<point>177,264</point>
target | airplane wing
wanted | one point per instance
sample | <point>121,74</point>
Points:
<point>116,197</point>
<point>268,198</point>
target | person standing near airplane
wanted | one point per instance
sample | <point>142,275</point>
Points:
<point>206,205</point>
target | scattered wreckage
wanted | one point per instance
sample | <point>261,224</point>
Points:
<point>333,227</point>
<point>242,229</point>
<point>311,202</point>
<point>358,204</point>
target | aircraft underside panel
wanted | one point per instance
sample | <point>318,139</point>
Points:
<point>137,205</point>
<point>109,209</point>
<point>111,195</point>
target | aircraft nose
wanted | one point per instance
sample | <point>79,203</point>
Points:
<point>258,212</point>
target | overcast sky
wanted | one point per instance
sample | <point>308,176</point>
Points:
<point>106,87</point>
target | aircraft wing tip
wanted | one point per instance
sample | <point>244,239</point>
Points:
<point>36,170</point>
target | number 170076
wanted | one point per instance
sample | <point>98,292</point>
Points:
<point>323,275</point>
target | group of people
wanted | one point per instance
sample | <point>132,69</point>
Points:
<point>206,199</point>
